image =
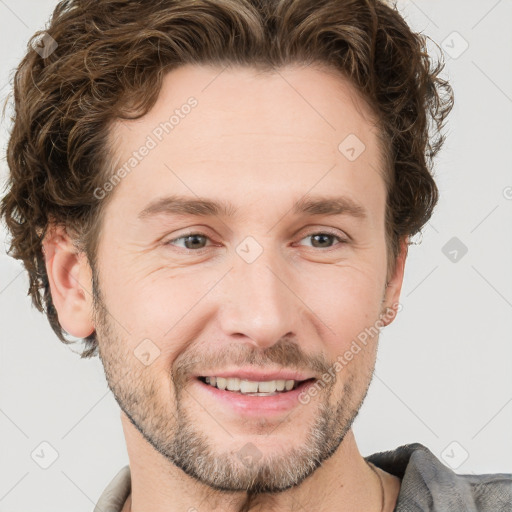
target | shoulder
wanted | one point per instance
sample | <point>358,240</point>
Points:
<point>489,492</point>
<point>429,485</point>
<point>114,496</point>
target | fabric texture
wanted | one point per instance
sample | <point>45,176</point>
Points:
<point>427,485</point>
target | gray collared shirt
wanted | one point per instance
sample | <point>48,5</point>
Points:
<point>427,485</point>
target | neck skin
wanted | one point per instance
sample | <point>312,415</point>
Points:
<point>343,483</point>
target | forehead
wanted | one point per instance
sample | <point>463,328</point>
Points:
<point>238,130</point>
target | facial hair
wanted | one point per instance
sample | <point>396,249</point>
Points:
<point>169,428</point>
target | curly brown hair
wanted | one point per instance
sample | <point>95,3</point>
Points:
<point>111,56</point>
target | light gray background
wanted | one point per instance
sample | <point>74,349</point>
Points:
<point>444,371</point>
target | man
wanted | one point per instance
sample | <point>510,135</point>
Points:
<point>217,196</point>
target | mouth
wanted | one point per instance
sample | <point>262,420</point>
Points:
<point>269,398</point>
<point>253,388</point>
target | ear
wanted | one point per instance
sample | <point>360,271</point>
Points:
<point>70,278</point>
<point>390,302</point>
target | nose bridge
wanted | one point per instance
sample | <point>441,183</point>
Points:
<point>260,303</point>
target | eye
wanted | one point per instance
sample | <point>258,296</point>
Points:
<point>191,241</point>
<point>322,238</point>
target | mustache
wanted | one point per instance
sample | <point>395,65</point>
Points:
<point>285,354</point>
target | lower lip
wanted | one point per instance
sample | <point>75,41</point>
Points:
<point>257,405</point>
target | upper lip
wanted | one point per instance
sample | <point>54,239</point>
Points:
<point>255,375</point>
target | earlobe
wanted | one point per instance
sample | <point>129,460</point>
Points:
<point>394,285</point>
<point>70,279</point>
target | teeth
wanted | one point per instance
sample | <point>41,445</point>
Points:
<point>233,384</point>
<point>221,383</point>
<point>249,387</point>
<point>267,387</point>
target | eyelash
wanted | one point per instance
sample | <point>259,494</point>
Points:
<point>196,233</point>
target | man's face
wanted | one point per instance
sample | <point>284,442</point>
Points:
<point>265,288</point>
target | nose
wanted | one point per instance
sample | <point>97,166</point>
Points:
<point>258,300</point>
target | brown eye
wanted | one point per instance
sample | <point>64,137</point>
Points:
<point>322,240</point>
<point>192,241</point>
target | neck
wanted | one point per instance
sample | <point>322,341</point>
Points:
<point>343,483</point>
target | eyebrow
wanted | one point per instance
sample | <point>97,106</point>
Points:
<point>204,207</point>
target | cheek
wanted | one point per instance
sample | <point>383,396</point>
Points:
<point>162,311</point>
<point>347,300</point>
<point>144,297</point>
<point>150,301</point>
<point>351,310</point>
